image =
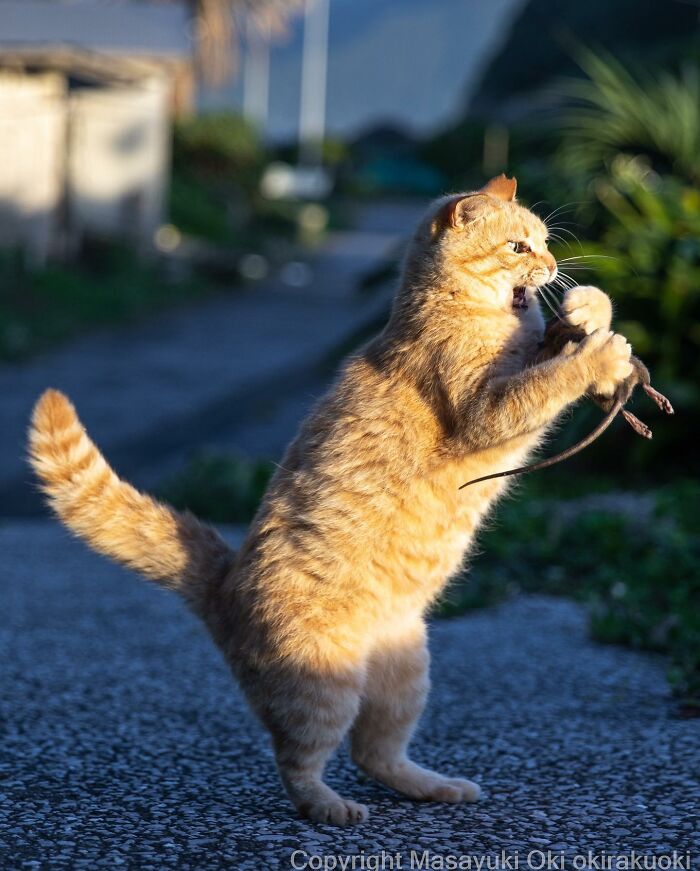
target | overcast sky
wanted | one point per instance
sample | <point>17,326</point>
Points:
<point>412,62</point>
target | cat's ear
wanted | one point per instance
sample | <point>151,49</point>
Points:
<point>455,212</point>
<point>501,187</point>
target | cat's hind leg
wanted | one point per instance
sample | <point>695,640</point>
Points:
<point>394,696</point>
<point>308,715</point>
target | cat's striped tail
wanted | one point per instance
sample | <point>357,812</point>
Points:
<point>174,549</point>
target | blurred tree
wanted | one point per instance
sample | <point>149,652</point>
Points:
<point>220,25</point>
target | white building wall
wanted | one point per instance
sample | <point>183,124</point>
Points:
<point>119,157</point>
<point>33,113</point>
<point>89,161</point>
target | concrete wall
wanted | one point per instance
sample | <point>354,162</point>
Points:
<point>118,160</point>
<point>88,161</point>
<point>33,113</point>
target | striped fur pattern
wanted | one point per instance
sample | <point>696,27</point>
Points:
<point>321,614</point>
<point>116,520</point>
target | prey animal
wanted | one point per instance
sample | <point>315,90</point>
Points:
<point>563,337</point>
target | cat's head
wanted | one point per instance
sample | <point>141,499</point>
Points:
<point>487,246</point>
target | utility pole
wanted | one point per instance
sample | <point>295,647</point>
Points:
<point>312,118</point>
<point>256,76</point>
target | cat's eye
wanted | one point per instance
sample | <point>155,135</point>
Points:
<point>519,247</point>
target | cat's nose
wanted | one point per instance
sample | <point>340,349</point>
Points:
<point>551,265</point>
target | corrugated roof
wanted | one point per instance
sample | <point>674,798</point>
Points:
<point>160,29</point>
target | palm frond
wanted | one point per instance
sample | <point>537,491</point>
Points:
<point>220,25</point>
<point>613,111</point>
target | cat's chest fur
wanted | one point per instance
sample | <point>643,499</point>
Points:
<point>435,522</point>
<point>401,471</point>
<point>371,484</point>
<point>450,517</point>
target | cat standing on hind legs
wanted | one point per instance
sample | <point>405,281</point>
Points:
<point>320,614</point>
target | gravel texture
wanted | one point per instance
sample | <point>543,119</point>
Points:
<point>125,744</point>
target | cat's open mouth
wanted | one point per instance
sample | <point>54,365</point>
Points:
<point>519,298</point>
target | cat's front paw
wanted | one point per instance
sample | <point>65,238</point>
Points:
<point>587,307</point>
<point>607,357</point>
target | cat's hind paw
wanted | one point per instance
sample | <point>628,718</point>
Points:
<point>336,811</point>
<point>422,784</point>
<point>468,790</point>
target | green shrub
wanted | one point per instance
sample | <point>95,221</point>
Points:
<point>218,160</point>
<point>617,113</point>
<point>221,145</point>
<point>647,257</point>
<point>651,263</point>
<point>199,210</point>
<point>41,307</point>
<point>221,488</point>
<point>634,560</point>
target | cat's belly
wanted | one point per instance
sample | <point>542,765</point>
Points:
<point>357,566</point>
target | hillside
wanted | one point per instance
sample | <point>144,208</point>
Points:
<point>543,35</point>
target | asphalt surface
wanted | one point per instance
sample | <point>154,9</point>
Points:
<point>125,744</point>
<point>153,392</point>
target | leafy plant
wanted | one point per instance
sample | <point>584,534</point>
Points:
<point>43,306</point>
<point>616,113</point>
<point>218,159</point>
<point>654,235</point>
<point>220,144</point>
<point>222,488</point>
<point>200,210</point>
<point>641,581</point>
<point>647,257</point>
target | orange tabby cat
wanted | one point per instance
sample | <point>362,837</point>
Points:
<point>321,614</point>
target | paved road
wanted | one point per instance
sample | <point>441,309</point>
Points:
<point>126,745</point>
<point>153,393</point>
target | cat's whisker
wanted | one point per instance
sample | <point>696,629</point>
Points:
<point>563,274</point>
<point>554,308</point>
<point>589,257</point>
<point>546,301</point>
<point>562,283</point>
<point>561,210</point>
<point>555,290</point>
<point>559,238</point>
<point>558,286</point>
<point>562,229</point>
<point>567,223</point>
<point>559,290</point>
<point>566,281</point>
